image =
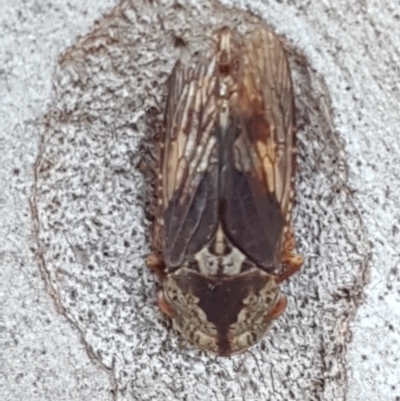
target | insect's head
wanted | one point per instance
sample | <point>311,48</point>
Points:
<point>223,315</point>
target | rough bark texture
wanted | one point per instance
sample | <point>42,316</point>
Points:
<point>86,230</point>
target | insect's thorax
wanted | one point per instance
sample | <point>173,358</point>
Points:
<point>221,298</point>
<point>222,314</point>
<point>220,257</point>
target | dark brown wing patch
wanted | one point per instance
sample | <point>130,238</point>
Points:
<point>258,179</point>
<point>189,161</point>
<point>229,150</point>
<point>266,104</point>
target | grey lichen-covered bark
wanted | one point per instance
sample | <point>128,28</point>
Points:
<point>92,233</point>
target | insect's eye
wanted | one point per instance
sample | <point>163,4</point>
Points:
<point>164,305</point>
<point>278,308</point>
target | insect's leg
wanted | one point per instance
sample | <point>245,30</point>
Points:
<point>292,264</point>
<point>155,261</point>
<point>164,305</point>
<point>156,264</point>
<point>278,308</point>
<point>291,261</point>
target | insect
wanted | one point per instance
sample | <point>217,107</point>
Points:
<point>223,240</point>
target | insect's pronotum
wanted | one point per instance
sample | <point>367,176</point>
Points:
<point>223,240</point>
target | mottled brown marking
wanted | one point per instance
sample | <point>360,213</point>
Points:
<point>221,299</point>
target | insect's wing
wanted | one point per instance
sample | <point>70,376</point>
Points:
<point>258,180</point>
<point>189,161</point>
